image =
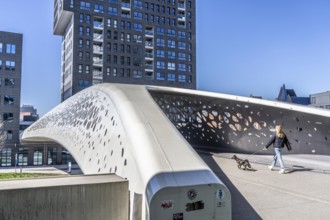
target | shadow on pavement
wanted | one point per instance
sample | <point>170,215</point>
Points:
<point>298,170</point>
<point>241,209</point>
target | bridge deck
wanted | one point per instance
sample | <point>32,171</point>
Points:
<point>303,193</point>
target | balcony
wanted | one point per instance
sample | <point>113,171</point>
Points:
<point>98,25</point>
<point>97,75</point>
<point>149,67</point>
<point>98,49</point>
<point>181,17</point>
<point>149,55</point>
<point>181,25</point>
<point>149,44</point>
<point>125,6</point>
<point>98,62</point>
<point>97,37</point>
<point>149,33</point>
<point>181,6</point>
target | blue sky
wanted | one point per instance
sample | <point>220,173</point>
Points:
<point>243,47</point>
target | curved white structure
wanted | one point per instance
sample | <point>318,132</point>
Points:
<point>112,128</point>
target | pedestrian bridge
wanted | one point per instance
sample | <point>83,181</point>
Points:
<point>146,134</point>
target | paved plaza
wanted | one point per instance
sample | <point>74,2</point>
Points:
<point>302,193</point>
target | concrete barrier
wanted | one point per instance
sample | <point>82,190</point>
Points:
<point>97,197</point>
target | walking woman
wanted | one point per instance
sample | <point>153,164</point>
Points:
<point>278,141</point>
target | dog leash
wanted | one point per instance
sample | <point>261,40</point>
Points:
<point>254,153</point>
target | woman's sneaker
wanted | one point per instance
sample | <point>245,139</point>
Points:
<point>282,171</point>
<point>270,167</point>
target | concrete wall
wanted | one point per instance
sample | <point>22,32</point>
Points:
<point>97,197</point>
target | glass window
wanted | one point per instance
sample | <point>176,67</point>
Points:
<point>11,48</point>
<point>171,77</point>
<point>9,135</point>
<point>37,157</point>
<point>81,43</point>
<point>6,157</point>
<point>171,43</point>
<point>138,15</point>
<point>9,82</point>
<point>182,67</point>
<point>98,8</point>
<point>112,11</point>
<point>23,156</point>
<point>160,64</point>
<point>80,55</point>
<point>182,56</point>
<point>66,157</point>
<point>181,45</point>
<point>85,5</point>
<point>51,155</point>
<point>0,64</point>
<point>10,65</point>
<point>0,47</point>
<point>88,19</point>
<point>87,69</point>
<point>80,67</point>
<point>81,17</point>
<point>137,27</point>
<point>182,78</point>
<point>160,42</point>
<point>128,25</point>
<point>171,54</point>
<point>160,53</point>
<point>122,24</point>
<point>170,32</point>
<point>138,4</point>
<point>181,34</point>
<point>83,83</point>
<point>171,66</point>
<point>160,76</point>
<point>8,100</point>
<point>8,117</point>
<point>160,31</point>
<point>137,73</point>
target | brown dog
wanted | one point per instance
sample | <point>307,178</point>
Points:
<point>242,162</point>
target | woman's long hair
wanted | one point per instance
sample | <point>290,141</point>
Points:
<point>279,131</point>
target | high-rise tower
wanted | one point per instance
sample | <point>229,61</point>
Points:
<point>126,41</point>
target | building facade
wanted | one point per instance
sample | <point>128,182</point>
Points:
<point>10,92</point>
<point>126,41</point>
<point>38,153</point>
<point>321,100</point>
<point>289,95</point>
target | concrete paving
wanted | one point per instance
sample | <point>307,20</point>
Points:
<point>302,193</point>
